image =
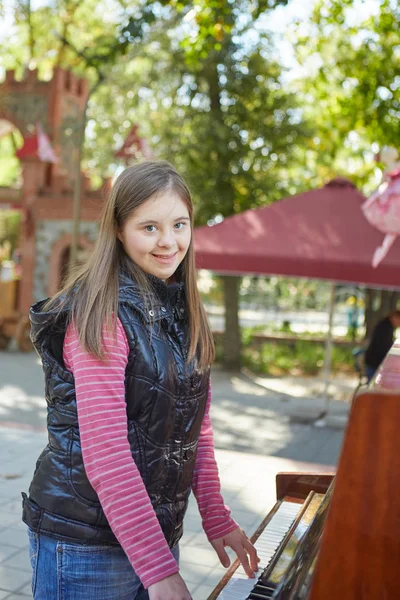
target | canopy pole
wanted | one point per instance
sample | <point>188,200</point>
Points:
<point>328,357</point>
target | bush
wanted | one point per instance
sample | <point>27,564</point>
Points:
<point>302,357</point>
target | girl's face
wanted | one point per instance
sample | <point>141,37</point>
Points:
<point>157,234</point>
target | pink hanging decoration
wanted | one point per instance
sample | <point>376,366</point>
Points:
<point>45,149</point>
<point>37,145</point>
<point>382,209</point>
<point>134,147</point>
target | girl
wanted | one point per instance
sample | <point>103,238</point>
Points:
<point>126,351</point>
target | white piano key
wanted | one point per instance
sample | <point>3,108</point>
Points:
<point>237,589</point>
<point>240,585</point>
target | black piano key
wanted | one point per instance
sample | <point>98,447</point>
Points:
<point>268,543</point>
<point>265,586</point>
<point>262,591</point>
<point>267,595</point>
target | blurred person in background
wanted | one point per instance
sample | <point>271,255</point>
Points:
<point>381,341</point>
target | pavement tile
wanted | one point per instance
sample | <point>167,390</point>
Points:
<point>4,501</point>
<point>192,525</point>
<point>12,506</point>
<point>9,518</point>
<point>202,592</point>
<point>248,521</point>
<point>193,574</point>
<point>199,555</point>
<point>20,560</point>
<point>14,537</point>
<point>197,539</point>
<point>26,590</point>
<point>12,580</point>
<point>7,490</point>
<point>19,525</point>
<point>254,437</point>
<point>204,588</point>
<point>7,552</point>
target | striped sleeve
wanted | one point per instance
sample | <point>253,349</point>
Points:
<point>216,518</point>
<point>108,461</point>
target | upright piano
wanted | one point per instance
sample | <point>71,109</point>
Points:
<point>336,537</point>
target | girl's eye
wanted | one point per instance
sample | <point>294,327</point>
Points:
<point>150,228</point>
<point>179,225</point>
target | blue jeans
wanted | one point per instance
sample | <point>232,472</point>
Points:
<point>71,571</point>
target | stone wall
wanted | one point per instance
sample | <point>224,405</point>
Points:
<point>47,234</point>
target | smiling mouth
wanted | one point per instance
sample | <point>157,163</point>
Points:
<point>165,256</point>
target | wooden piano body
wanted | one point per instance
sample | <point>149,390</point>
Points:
<point>353,552</point>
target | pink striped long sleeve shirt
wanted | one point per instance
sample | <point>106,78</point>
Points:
<point>111,470</point>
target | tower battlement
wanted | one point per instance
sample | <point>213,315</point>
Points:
<point>58,105</point>
<point>63,81</point>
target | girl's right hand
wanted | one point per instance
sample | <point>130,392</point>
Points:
<point>170,588</point>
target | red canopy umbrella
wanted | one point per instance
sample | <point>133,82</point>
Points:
<point>320,234</point>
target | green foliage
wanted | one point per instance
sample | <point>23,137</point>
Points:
<point>75,34</point>
<point>350,60</point>
<point>10,172</point>
<point>200,78</point>
<point>285,293</point>
<point>299,358</point>
<point>215,106</point>
<point>87,36</point>
<point>210,288</point>
<point>10,223</point>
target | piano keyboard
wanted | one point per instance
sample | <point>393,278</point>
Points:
<point>240,585</point>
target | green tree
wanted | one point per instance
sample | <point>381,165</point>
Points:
<point>350,53</point>
<point>211,96</point>
<point>349,86</point>
<point>203,83</point>
<point>39,36</point>
<point>80,38</point>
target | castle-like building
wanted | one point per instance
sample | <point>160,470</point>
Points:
<point>56,108</point>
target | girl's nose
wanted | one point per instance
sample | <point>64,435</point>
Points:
<point>166,240</point>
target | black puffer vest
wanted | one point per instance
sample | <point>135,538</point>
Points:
<point>165,405</point>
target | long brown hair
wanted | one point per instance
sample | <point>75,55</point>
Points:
<point>92,290</point>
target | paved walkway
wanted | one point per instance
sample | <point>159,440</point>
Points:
<point>261,426</point>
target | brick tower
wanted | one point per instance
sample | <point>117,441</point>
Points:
<point>45,198</point>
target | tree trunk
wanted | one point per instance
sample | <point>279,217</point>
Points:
<point>371,301</point>
<point>232,344</point>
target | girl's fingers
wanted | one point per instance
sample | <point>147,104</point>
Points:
<point>242,556</point>
<point>222,554</point>
<point>244,549</point>
<point>252,552</point>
